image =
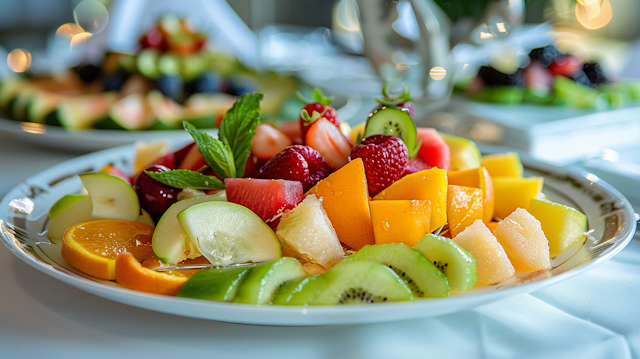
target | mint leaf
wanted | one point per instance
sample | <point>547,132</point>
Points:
<point>238,128</point>
<point>186,179</point>
<point>217,153</point>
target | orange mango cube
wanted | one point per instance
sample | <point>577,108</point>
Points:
<point>503,164</point>
<point>429,185</point>
<point>464,206</point>
<point>345,198</point>
<point>478,178</point>
<point>400,221</point>
<point>512,193</point>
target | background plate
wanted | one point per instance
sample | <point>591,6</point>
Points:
<point>23,220</point>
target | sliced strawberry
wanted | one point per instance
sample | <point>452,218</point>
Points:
<point>292,130</point>
<point>266,198</point>
<point>268,141</point>
<point>326,138</point>
<point>315,109</point>
<point>434,150</point>
<point>193,160</point>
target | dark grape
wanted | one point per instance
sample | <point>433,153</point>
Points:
<point>154,197</point>
<point>491,77</point>
<point>88,73</point>
<point>170,86</point>
<point>207,83</point>
<point>593,70</point>
<point>115,81</point>
<point>238,88</point>
<point>545,55</point>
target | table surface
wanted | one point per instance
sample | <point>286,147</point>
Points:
<point>594,315</point>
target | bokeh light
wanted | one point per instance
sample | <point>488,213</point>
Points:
<point>593,14</point>
<point>79,39</point>
<point>438,73</point>
<point>91,15</point>
<point>69,30</point>
<point>19,60</point>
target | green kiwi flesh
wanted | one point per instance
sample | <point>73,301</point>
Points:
<point>263,280</point>
<point>422,276</point>
<point>300,291</point>
<point>454,261</point>
<point>215,284</point>
<point>361,283</point>
<point>395,122</point>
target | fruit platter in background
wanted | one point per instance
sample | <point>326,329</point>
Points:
<point>551,78</point>
<point>314,213</point>
<point>175,76</point>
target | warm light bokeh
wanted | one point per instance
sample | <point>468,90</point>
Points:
<point>19,60</point>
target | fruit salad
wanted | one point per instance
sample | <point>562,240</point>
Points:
<point>314,214</point>
<point>175,76</point>
<point>553,78</point>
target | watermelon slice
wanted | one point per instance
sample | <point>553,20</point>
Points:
<point>266,198</point>
<point>434,149</point>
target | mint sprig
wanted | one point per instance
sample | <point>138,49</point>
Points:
<point>216,153</point>
<point>238,128</point>
<point>186,179</point>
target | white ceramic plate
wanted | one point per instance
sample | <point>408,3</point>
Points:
<point>23,220</point>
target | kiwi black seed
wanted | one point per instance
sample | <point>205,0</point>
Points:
<point>451,259</point>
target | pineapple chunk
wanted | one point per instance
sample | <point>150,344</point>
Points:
<point>521,236</point>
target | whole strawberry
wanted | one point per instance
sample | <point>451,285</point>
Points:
<point>296,163</point>
<point>314,109</point>
<point>385,159</point>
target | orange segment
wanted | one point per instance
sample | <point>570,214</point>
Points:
<point>130,273</point>
<point>429,185</point>
<point>400,221</point>
<point>93,246</point>
<point>464,206</point>
<point>345,198</point>
<point>477,177</point>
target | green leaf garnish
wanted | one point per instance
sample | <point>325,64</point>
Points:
<point>186,179</point>
<point>317,96</point>
<point>414,151</point>
<point>390,100</point>
<point>216,153</point>
<point>238,128</point>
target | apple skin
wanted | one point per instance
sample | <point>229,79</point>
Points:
<point>69,210</point>
<point>111,197</point>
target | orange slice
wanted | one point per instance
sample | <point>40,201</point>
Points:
<point>94,246</point>
<point>132,274</point>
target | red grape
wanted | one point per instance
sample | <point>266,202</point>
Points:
<point>154,196</point>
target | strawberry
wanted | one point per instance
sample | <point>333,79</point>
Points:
<point>327,139</point>
<point>296,163</point>
<point>385,159</point>
<point>268,141</point>
<point>566,65</point>
<point>314,109</point>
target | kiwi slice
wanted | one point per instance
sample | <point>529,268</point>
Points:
<point>300,291</point>
<point>454,261</point>
<point>361,283</point>
<point>422,276</point>
<point>395,122</point>
<point>215,284</point>
<point>263,280</point>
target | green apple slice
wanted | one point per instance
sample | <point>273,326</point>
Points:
<point>69,210</point>
<point>111,197</point>
<point>228,233</point>
<point>170,243</point>
<point>145,218</point>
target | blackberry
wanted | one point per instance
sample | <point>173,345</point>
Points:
<point>206,83</point>
<point>544,55</point>
<point>583,79</point>
<point>493,77</point>
<point>593,70</point>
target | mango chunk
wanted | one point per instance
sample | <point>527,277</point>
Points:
<point>464,206</point>
<point>503,164</point>
<point>345,198</point>
<point>563,226</point>
<point>400,221</point>
<point>429,185</point>
<point>512,193</point>
<point>478,178</point>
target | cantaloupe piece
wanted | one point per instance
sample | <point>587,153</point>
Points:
<point>464,206</point>
<point>345,198</point>
<point>400,221</point>
<point>563,226</point>
<point>429,185</point>
<point>503,164</point>
<point>479,178</point>
<point>522,238</point>
<point>492,263</point>
<point>511,193</point>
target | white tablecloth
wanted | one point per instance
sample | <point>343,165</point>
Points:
<point>595,315</point>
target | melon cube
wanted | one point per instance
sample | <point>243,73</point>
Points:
<point>503,164</point>
<point>400,221</point>
<point>464,206</point>
<point>563,226</point>
<point>511,193</point>
<point>492,263</point>
<point>429,185</point>
<point>345,197</point>
<point>307,234</point>
<point>521,236</point>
